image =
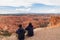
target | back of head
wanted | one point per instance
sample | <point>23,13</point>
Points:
<point>30,24</point>
<point>20,26</point>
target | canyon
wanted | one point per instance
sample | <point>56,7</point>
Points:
<point>11,22</point>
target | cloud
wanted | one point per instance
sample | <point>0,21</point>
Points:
<point>29,6</point>
<point>20,10</point>
<point>14,3</point>
<point>29,10</point>
<point>55,11</point>
<point>23,9</point>
<point>27,3</point>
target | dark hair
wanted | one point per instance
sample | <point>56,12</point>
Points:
<point>30,23</point>
<point>20,26</point>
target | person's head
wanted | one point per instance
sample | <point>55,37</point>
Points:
<point>20,26</point>
<point>30,23</point>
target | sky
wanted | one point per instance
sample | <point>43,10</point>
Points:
<point>29,6</point>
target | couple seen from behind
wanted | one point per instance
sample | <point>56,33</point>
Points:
<point>21,32</point>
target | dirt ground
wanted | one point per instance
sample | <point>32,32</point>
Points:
<point>39,34</point>
<point>46,34</point>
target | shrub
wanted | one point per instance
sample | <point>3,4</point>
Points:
<point>4,33</point>
<point>36,19</point>
<point>44,24</point>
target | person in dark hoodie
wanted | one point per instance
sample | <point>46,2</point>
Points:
<point>30,30</point>
<point>21,33</point>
